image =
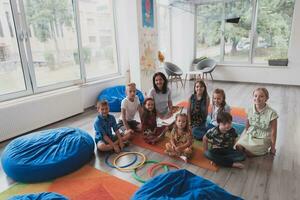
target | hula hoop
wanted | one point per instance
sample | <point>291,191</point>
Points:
<point>129,168</point>
<point>123,166</point>
<point>157,165</point>
<point>138,178</point>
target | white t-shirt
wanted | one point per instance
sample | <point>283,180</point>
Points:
<point>161,100</point>
<point>131,107</point>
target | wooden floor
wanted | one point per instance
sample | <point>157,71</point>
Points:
<point>263,177</point>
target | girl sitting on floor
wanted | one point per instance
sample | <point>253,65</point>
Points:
<point>181,141</point>
<point>261,127</point>
<point>151,132</point>
<point>198,109</point>
<point>218,105</point>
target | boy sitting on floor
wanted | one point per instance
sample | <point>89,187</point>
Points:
<point>104,123</point>
<point>222,139</point>
<point>130,105</point>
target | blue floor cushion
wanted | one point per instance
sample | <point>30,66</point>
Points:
<point>181,185</point>
<point>39,196</point>
<point>114,96</point>
<point>45,155</point>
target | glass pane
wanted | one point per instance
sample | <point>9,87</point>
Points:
<point>237,42</point>
<point>53,41</point>
<point>164,31</point>
<point>11,72</point>
<point>98,38</point>
<point>274,23</point>
<point>209,20</point>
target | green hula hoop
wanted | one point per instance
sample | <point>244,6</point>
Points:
<point>138,178</point>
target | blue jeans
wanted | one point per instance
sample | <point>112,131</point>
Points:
<point>224,157</point>
<point>199,131</point>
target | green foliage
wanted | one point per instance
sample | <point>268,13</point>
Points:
<point>49,57</point>
<point>86,55</point>
<point>273,22</point>
<point>46,16</point>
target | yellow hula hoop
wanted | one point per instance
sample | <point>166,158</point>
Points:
<point>129,168</point>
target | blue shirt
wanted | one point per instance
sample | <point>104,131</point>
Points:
<point>103,126</point>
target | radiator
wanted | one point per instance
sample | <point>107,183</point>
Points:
<point>26,114</point>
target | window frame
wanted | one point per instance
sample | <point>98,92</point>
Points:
<point>115,47</point>
<point>22,30</point>
<point>252,36</point>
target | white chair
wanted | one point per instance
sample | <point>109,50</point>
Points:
<point>202,68</point>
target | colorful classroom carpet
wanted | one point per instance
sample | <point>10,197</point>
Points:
<point>87,183</point>
<point>197,159</point>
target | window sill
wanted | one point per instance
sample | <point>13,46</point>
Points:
<point>250,65</point>
<point>106,79</point>
<point>56,91</point>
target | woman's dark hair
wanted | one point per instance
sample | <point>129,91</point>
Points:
<point>202,83</point>
<point>165,85</point>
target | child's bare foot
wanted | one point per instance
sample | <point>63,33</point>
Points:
<point>212,163</point>
<point>184,158</point>
<point>238,165</point>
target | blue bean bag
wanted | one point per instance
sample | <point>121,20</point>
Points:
<point>39,196</point>
<point>46,155</point>
<point>181,185</point>
<point>114,96</point>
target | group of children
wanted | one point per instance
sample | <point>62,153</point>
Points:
<point>220,140</point>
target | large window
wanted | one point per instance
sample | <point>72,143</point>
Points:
<point>235,35</point>
<point>209,22</point>
<point>274,22</point>
<point>262,32</point>
<point>49,44</point>
<point>11,73</point>
<point>53,41</point>
<point>98,37</point>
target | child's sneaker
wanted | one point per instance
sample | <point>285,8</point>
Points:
<point>184,158</point>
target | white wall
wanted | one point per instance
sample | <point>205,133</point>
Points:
<point>127,36</point>
<point>182,30</point>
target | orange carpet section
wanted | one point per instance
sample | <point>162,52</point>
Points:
<point>87,183</point>
<point>197,159</point>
